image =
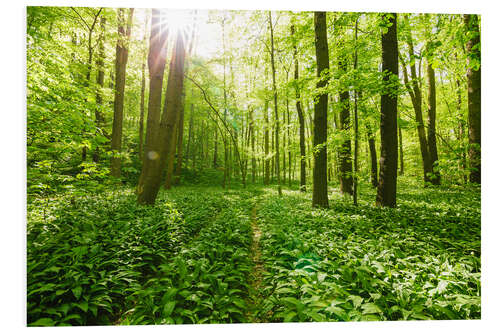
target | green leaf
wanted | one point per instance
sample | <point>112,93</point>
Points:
<point>369,308</point>
<point>77,291</point>
<point>168,308</point>
<point>43,322</point>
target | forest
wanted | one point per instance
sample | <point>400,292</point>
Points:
<point>230,166</point>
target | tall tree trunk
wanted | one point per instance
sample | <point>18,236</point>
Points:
<point>143,90</point>
<point>156,64</point>
<point>386,191</point>
<point>120,69</point>
<point>320,184</point>
<point>266,142</point>
<point>345,150</point>
<point>356,130</point>
<point>169,119</point>
<point>401,159</point>
<point>216,144</point>
<point>435,178</point>
<point>416,98</point>
<point>461,134</point>
<point>180,135</point>
<point>252,139</point>
<point>373,156</point>
<point>276,117</point>
<point>99,117</point>
<point>300,114</point>
<point>474,96</point>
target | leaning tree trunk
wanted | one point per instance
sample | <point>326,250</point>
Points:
<point>156,64</point>
<point>386,191</point>
<point>169,118</point>
<point>320,184</point>
<point>120,70</point>
<point>474,96</point>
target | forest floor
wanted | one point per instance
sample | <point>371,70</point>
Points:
<point>207,255</point>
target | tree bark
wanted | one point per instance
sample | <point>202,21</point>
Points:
<point>345,149</point>
<point>99,117</point>
<point>386,191</point>
<point>120,70</point>
<point>435,178</point>
<point>474,96</point>
<point>169,118</point>
<point>320,184</point>
<point>373,156</point>
<point>276,117</point>
<point>156,64</point>
<point>266,142</point>
<point>356,129</point>
<point>143,90</point>
<point>401,159</point>
<point>416,98</point>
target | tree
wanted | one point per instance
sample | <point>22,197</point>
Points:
<point>99,117</point>
<point>143,89</point>
<point>473,47</point>
<point>435,179</point>
<point>416,98</point>
<point>156,63</point>
<point>275,97</point>
<point>345,128</point>
<point>300,113</point>
<point>386,190</point>
<point>120,73</point>
<point>320,185</point>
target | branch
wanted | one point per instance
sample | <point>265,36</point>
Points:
<point>81,18</point>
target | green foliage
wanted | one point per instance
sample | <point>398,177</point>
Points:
<point>419,261</point>
<point>88,255</point>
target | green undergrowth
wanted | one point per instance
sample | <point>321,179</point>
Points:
<point>86,256</point>
<point>418,261</point>
<point>207,281</point>
<point>99,258</point>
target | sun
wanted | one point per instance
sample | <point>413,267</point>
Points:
<point>178,20</point>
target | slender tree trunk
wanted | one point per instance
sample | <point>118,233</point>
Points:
<point>216,144</point>
<point>143,90</point>
<point>300,114</point>
<point>320,184</point>
<point>276,117</point>
<point>120,69</point>
<point>252,139</point>
<point>386,191</point>
<point>345,150</point>
<point>461,134</point>
<point>435,179</point>
<point>266,143</point>
<point>416,98</point>
<point>99,117</point>
<point>474,96</point>
<point>401,159</point>
<point>180,135</point>
<point>356,130</point>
